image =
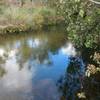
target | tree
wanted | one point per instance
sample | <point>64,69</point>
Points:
<point>82,19</point>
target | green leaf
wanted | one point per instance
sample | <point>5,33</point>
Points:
<point>81,13</point>
<point>77,0</point>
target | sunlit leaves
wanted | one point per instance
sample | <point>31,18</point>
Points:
<point>91,69</point>
<point>96,58</point>
<point>81,13</point>
<point>81,18</point>
<point>81,95</point>
<point>77,0</point>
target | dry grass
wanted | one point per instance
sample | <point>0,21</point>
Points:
<point>27,16</point>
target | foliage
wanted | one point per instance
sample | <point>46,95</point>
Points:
<point>30,17</point>
<point>82,21</point>
<point>49,15</point>
<point>91,68</point>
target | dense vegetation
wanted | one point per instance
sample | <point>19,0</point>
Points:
<point>23,15</point>
<point>82,19</point>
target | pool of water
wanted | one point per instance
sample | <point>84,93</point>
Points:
<point>43,66</point>
<point>31,65</point>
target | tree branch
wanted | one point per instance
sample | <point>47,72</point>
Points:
<point>96,2</point>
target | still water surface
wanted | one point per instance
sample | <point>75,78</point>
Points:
<point>31,65</point>
<point>42,66</point>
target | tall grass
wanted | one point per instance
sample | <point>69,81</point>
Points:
<point>27,16</point>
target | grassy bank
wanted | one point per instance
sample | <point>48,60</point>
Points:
<point>18,19</point>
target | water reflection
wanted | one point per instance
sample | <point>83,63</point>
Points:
<point>72,82</point>
<point>69,50</point>
<point>32,65</point>
<point>41,67</point>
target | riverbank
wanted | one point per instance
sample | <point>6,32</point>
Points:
<point>22,19</point>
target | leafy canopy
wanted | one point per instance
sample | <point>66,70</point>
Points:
<point>82,20</point>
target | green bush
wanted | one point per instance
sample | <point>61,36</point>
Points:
<point>49,16</point>
<point>82,19</point>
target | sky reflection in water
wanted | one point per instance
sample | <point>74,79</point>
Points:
<point>32,68</point>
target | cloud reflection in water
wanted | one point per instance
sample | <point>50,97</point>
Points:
<point>39,81</point>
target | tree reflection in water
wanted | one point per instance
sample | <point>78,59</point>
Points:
<point>72,82</point>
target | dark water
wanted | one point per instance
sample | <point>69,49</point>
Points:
<point>39,66</point>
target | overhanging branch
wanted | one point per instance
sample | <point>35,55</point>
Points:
<point>96,2</point>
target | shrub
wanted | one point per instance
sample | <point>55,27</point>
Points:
<point>49,16</point>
